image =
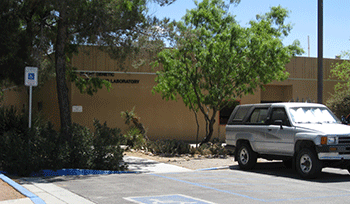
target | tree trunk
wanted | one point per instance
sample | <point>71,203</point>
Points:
<point>62,89</point>
<point>210,128</point>
<point>195,115</point>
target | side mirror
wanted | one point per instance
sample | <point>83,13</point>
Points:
<point>343,120</point>
<point>279,122</point>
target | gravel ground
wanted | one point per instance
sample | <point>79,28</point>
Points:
<point>190,162</point>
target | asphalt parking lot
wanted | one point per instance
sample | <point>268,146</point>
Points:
<point>269,182</point>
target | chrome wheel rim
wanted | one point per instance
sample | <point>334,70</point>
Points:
<point>305,163</point>
<point>244,156</point>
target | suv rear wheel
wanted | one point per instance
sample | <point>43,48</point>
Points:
<point>246,156</point>
<point>307,163</point>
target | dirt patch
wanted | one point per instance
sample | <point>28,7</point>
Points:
<point>188,161</point>
<point>7,192</point>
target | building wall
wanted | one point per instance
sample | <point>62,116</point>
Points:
<point>163,119</point>
<point>45,102</point>
<point>15,96</point>
<point>302,81</point>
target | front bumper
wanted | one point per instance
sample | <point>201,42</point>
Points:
<point>333,156</point>
<point>333,152</point>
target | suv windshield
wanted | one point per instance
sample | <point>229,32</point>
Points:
<point>312,115</point>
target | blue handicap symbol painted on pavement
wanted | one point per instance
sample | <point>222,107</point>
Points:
<point>31,76</point>
<point>167,199</point>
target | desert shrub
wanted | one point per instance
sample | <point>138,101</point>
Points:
<point>107,152</point>
<point>19,154</point>
<point>10,119</point>
<point>134,139</point>
<point>49,145</point>
<point>213,149</point>
<point>168,147</point>
<point>78,151</point>
<point>136,136</point>
<point>26,150</point>
<point>175,147</point>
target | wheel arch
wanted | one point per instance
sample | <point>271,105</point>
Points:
<point>300,144</point>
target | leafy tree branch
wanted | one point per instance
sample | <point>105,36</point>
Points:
<point>215,61</point>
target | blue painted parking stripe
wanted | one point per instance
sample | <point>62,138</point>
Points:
<point>175,199</point>
<point>213,169</point>
<point>208,187</point>
<point>249,197</point>
<point>34,198</point>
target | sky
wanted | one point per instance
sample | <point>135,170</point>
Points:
<point>303,17</point>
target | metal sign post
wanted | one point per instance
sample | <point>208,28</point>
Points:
<point>30,79</point>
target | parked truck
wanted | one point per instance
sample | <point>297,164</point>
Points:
<point>305,136</point>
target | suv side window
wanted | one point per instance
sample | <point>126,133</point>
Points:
<point>259,115</point>
<point>279,114</point>
<point>241,112</point>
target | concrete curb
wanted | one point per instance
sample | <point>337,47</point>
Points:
<point>34,198</point>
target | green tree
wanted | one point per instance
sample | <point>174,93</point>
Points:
<point>341,71</point>
<point>339,102</point>
<point>214,60</point>
<point>22,38</point>
<point>36,30</point>
<point>110,23</point>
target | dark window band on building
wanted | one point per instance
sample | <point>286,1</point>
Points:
<point>123,81</point>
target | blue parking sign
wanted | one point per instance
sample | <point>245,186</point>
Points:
<point>31,76</point>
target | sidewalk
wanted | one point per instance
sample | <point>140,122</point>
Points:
<point>39,191</point>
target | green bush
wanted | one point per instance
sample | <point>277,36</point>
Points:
<point>24,151</point>
<point>134,139</point>
<point>168,147</point>
<point>10,119</point>
<point>107,152</point>
<point>174,147</point>
<point>78,152</point>
<point>19,156</point>
<point>339,103</point>
<point>49,146</point>
<point>214,149</point>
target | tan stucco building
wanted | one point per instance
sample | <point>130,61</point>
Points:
<point>163,119</point>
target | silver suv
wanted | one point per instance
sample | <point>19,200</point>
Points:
<point>306,136</point>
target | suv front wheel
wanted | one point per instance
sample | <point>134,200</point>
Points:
<point>246,156</point>
<point>307,163</point>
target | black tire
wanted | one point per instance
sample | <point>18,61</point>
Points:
<point>246,157</point>
<point>307,163</point>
